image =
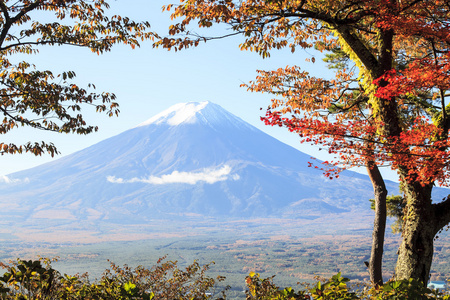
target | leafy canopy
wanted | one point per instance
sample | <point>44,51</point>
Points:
<point>39,98</point>
<point>386,102</point>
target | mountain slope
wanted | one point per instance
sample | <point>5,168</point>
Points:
<point>194,159</point>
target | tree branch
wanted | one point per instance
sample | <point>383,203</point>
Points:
<point>363,53</point>
<point>10,21</point>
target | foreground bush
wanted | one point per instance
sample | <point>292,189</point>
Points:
<point>24,280</point>
<point>336,288</point>
<point>38,280</point>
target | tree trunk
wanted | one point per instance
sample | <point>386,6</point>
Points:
<point>419,228</point>
<point>379,224</point>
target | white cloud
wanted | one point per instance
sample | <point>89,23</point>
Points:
<point>208,175</point>
<point>6,179</point>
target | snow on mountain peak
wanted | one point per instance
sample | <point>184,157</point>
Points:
<point>177,114</point>
<point>206,113</point>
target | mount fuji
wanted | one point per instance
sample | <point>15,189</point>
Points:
<point>192,160</point>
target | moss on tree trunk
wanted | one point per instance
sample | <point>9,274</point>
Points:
<point>416,250</point>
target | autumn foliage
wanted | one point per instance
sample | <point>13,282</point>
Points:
<point>342,113</point>
<point>37,279</point>
<point>39,98</point>
<point>385,106</point>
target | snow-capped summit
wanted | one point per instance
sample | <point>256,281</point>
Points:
<point>177,114</point>
<point>205,112</point>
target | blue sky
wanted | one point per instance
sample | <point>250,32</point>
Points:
<point>147,81</point>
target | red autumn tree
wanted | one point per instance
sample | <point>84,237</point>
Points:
<point>385,106</point>
<point>39,98</point>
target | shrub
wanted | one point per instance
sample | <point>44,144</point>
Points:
<point>262,289</point>
<point>405,289</point>
<point>336,288</point>
<point>26,280</point>
<point>38,280</point>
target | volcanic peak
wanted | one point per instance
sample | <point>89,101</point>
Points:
<point>178,114</point>
<point>205,113</point>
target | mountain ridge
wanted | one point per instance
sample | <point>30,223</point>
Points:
<point>191,159</point>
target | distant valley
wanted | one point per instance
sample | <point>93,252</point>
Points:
<point>196,182</point>
<point>293,251</point>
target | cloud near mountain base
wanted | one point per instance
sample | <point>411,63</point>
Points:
<point>6,179</point>
<point>208,175</point>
